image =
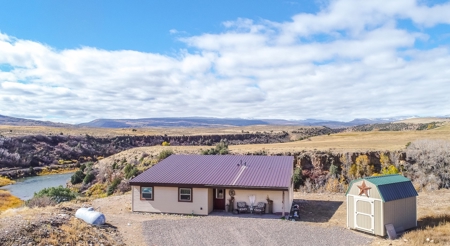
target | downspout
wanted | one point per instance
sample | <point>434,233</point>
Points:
<point>282,202</point>
<point>132,198</point>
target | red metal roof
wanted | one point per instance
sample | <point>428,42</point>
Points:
<point>221,170</point>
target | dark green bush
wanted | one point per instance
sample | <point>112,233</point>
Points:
<point>77,177</point>
<point>88,178</point>
<point>82,167</point>
<point>297,178</point>
<point>112,187</point>
<point>57,194</point>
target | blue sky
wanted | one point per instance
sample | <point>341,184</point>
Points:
<point>81,60</point>
<point>137,25</point>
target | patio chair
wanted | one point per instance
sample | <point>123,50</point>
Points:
<point>242,207</point>
<point>260,208</point>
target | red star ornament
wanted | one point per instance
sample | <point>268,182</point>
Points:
<point>363,189</point>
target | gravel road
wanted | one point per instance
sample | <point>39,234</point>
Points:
<point>218,230</point>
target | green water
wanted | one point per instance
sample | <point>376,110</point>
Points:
<point>25,188</point>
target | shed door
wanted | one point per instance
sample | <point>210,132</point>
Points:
<point>364,214</point>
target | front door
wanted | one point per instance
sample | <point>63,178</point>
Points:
<point>219,199</point>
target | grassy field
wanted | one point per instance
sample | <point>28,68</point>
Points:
<point>109,132</point>
<point>351,141</point>
<point>345,141</point>
<point>341,142</point>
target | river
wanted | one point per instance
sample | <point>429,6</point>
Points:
<point>26,187</point>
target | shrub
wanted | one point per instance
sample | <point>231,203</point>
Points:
<point>77,177</point>
<point>112,187</point>
<point>88,178</point>
<point>124,186</point>
<point>428,163</point>
<point>130,171</point>
<point>297,178</point>
<point>57,194</point>
<point>391,169</point>
<point>165,143</point>
<point>82,167</point>
<point>43,201</point>
<point>164,154</point>
<point>334,170</point>
<point>98,190</point>
<point>221,149</point>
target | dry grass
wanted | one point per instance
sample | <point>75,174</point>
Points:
<point>351,141</point>
<point>341,142</point>
<point>110,132</point>
<point>433,229</point>
<point>8,201</point>
<point>5,181</point>
<point>48,171</point>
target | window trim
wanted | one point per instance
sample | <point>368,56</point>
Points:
<point>153,193</point>
<point>179,194</point>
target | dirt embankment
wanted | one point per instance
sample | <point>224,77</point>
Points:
<point>53,226</point>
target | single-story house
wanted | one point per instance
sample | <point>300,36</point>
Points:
<point>199,184</point>
<point>374,202</point>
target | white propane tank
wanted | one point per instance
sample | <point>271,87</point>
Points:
<point>90,216</point>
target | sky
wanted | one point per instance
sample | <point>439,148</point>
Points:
<point>76,61</point>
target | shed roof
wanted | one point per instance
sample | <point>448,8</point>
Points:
<point>391,187</point>
<point>273,172</point>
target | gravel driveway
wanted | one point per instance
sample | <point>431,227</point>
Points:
<point>219,230</point>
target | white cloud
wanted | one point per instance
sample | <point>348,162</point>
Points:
<point>349,60</point>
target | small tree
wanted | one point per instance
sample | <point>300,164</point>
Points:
<point>77,177</point>
<point>297,178</point>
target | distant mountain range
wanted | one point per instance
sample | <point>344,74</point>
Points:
<point>12,121</point>
<point>196,122</point>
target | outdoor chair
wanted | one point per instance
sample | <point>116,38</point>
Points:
<point>242,207</point>
<point>260,208</point>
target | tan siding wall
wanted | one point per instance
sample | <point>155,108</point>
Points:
<point>351,212</point>
<point>400,213</point>
<point>378,217</point>
<point>261,196</point>
<point>373,192</point>
<point>166,201</point>
<point>210,200</point>
<point>364,207</point>
<point>364,221</point>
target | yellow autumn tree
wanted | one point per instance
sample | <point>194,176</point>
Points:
<point>361,167</point>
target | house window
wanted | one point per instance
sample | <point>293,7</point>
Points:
<point>147,193</point>
<point>219,193</point>
<point>185,194</point>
